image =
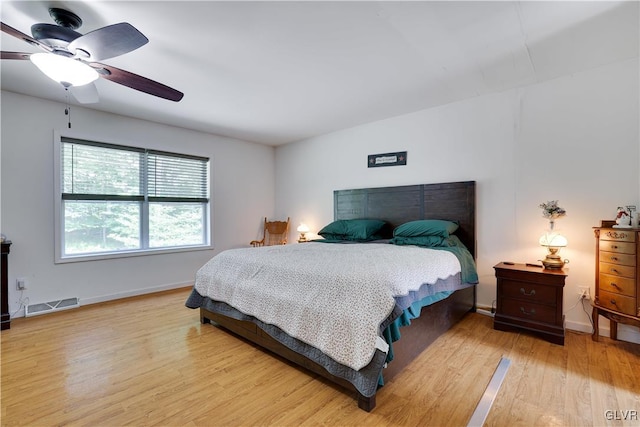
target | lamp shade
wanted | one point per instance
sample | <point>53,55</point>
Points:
<point>553,240</point>
<point>64,70</point>
<point>302,228</point>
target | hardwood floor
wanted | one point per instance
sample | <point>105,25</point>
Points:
<point>148,361</point>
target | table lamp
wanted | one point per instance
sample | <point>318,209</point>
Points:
<point>553,242</point>
<point>303,230</point>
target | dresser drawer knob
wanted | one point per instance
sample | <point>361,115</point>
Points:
<point>613,302</point>
<point>615,285</point>
<point>528,313</point>
<point>614,258</point>
<point>529,294</point>
<point>613,270</point>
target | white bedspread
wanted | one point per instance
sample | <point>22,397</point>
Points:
<point>331,296</point>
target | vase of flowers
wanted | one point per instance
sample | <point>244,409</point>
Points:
<point>552,211</point>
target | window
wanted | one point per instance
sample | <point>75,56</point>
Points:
<point>116,200</point>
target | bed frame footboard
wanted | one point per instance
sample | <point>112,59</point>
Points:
<point>250,331</point>
<point>366,403</point>
<point>433,322</point>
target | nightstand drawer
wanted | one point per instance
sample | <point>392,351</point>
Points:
<point>618,285</point>
<point>617,270</point>
<point>530,312</point>
<point>618,302</point>
<point>528,292</point>
<point>618,258</point>
<point>617,235</point>
<point>618,247</point>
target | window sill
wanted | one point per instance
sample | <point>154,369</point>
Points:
<point>129,254</point>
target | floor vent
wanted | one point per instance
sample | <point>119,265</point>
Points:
<point>51,306</point>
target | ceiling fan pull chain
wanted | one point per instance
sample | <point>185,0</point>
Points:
<point>67,110</point>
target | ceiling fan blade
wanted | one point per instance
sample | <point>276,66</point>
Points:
<point>136,82</point>
<point>110,41</point>
<point>85,94</point>
<point>22,36</point>
<point>15,55</point>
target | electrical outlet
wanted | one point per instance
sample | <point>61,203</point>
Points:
<point>584,292</point>
<point>21,283</point>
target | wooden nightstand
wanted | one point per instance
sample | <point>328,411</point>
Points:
<point>530,299</point>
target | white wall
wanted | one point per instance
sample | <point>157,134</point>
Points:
<point>574,139</point>
<point>243,191</point>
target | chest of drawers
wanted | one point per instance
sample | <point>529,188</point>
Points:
<point>617,281</point>
<point>529,298</point>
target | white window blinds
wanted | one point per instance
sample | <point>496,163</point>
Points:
<point>173,177</point>
<point>97,171</point>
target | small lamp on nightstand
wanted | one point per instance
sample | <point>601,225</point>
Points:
<point>553,242</point>
<point>303,230</point>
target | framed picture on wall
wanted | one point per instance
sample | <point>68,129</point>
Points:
<point>399,158</point>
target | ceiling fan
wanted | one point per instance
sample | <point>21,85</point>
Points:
<point>70,58</point>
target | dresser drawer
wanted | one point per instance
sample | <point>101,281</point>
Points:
<point>617,247</point>
<point>617,284</point>
<point>617,235</point>
<point>617,270</point>
<point>618,302</point>
<point>618,258</point>
<point>527,311</point>
<point>528,292</point>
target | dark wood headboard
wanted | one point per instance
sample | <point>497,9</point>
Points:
<point>454,201</point>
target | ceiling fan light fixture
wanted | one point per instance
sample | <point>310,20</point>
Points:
<point>64,70</point>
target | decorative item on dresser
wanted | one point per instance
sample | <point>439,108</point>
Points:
<point>617,277</point>
<point>529,298</point>
<point>5,319</point>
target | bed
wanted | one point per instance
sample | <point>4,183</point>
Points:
<point>406,331</point>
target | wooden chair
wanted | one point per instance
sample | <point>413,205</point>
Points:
<point>273,233</point>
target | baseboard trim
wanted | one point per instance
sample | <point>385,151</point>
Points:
<point>120,295</point>
<point>625,333</point>
<point>484,312</point>
<point>134,293</point>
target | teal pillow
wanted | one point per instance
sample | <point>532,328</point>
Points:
<point>330,236</point>
<point>428,241</point>
<point>425,241</point>
<point>426,227</point>
<point>352,229</point>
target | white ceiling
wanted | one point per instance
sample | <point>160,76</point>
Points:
<point>276,72</point>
